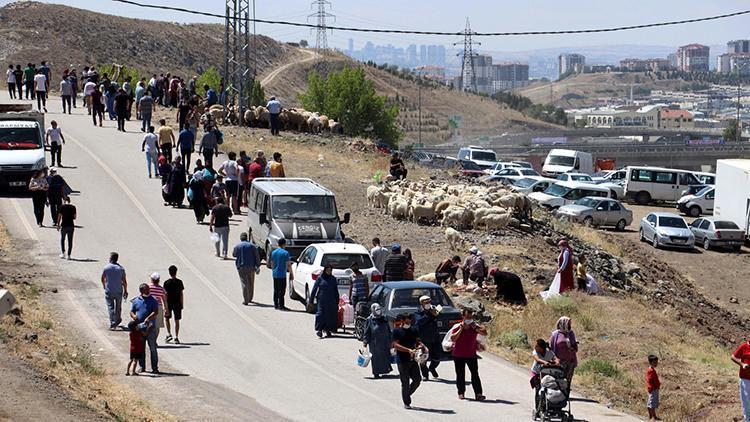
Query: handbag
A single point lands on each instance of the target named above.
(447, 342)
(363, 358)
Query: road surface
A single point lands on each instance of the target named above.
(237, 361)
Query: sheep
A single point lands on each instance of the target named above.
(454, 238)
(419, 212)
(459, 217)
(263, 116)
(496, 221)
(313, 123)
(372, 194)
(335, 127)
(324, 122)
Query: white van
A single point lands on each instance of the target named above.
(561, 161)
(647, 184)
(566, 193)
(700, 203)
(483, 157)
(21, 144)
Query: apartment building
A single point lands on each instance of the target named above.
(693, 58)
(570, 62)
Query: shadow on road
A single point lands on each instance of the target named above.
(494, 401)
(84, 260)
(259, 305)
(584, 400)
(182, 345)
(438, 411)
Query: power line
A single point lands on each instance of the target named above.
(468, 74)
(460, 33)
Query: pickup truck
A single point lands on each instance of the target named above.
(21, 144)
(713, 232)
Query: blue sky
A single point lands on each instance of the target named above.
(495, 15)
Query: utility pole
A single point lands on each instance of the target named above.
(468, 76)
(419, 102)
(236, 58)
(738, 123)
(321, 40)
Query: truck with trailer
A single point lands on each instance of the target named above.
(21, 145)
(732, 200)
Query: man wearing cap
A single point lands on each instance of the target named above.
(395, 264)
(274, 109)
(247, 261)
(473, 268)
(281, 264)
(426, 321)
(144, 312)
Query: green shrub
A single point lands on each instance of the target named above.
(210, 77)
(513, 339)
(563, 305)
(599, 367)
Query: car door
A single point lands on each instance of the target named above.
(695, 227)
(705, 229)
(684, 180)
(600, 213)
(301, 269)
(615, 213)
(649, 228)
(665, 186)
(708, 201)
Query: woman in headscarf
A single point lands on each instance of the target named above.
(177, 182)
(565, 346)
(409, 268)
(378, 337)
(197, 193)
(164, 171)
(325, 292)
(565, 266)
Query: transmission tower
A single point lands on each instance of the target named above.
(237, 67)
(321, 41)
(468, 76)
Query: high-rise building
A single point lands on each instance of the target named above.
(693, 58)
(570, 62)
(411, 55)
(509, 76)
(423, 54)
(483, 72)
(738, 46)
(733, 62)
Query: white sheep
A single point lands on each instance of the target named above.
(454, 238)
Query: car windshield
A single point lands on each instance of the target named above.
(342, 261)
(581, 177)
(409, 298)
(529, 172)
(559, 160)
(557, 190)
(704, 191)
(525, 182)
(304, 207)
(726, 225)
(483, 156)
(20, 138)
(587, 202)
(675, 222)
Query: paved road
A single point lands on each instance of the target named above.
(240, 360)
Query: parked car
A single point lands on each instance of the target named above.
(608, 176)
(508, 175)
(530, 184)
(483, 157)
(524, 164)
(575, 177)
(341, 256)
(693, 189)
(497, 167)
(616, 188)
(566, 193)
(468, 168)
(700, 203)
(712, 232)
(595, 211)
(648, 184)
(667, 230)
(398, 297)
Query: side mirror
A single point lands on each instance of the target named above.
(347, 218)
(652, 224)
(262, 218)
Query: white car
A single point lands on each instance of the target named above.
(508, 175)
(698, 204)
(311, 261)
(609, 176)
(667, 230)
(575, 177)
(528, 184)
(497, 167)
(566, 193)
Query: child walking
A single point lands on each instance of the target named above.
(652, 385)
(137, 348)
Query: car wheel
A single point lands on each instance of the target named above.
(293, 293)
(643, 198)
(588, 221)
(737, 249)
(706, 244)
(621, 225)
(268, 251)
(359, 328)
(640, 235)
(694, 211)
(310, 309)
(655, 242)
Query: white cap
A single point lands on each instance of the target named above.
(473, 250)
(155, 276)
(423, 298)
(53, 169)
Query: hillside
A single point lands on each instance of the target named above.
(479, 116)
(80, 37)
(584, 89)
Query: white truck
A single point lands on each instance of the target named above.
(561, 161)
(21, 145)
(732, 200)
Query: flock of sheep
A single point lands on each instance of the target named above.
(297, 119)
(457, 207)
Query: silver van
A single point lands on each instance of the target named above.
(298, 210)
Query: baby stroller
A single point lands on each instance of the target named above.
(552, 397)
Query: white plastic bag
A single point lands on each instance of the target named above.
(554, 289)
(215, 238)
(363, 358)
(591, 286)
(481, 343)
(421, 356)
(447, 342)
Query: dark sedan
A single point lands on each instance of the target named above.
(399, 297)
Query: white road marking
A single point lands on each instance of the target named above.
(278, 342)
(24, 220)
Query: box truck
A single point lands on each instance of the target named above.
(561, 161)
(732, 201)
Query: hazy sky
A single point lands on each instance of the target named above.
(485, 15)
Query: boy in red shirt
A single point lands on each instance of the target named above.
(741, 357)
(137, 348)
(652, 385)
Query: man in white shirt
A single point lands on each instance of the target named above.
(378, 255)
(40, 86)
(87, 90)
(11, 77)
(150, 146)
(274, 108)
(231, 173)
(54, 139)
(66, 92)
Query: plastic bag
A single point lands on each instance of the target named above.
(447, 342)
(554, 289)
(394, 357)
(421, 356)
(481, 343)
(363, 358)
(215, 237)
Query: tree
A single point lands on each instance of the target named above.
(349, 97)
(257, 95)
(303, 43)
(210, 77)
(730, 132)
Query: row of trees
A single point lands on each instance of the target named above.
(547, 113)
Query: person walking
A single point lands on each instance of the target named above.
(274, 109)
(406, 342)
(464, 340)
(177, 182)
(565, 266)
(395, 264)
(55, 193)
(96, 101)
(121, 101)
(145, 110)
(378, 255)
(38, 186)
(115, 285)
(28, 73)
(166, 140)
(144, 312)
(66, 226)
(231, 172)
(741, 357)
(197, 196)
(185, 145)
(280, 264)
(219, 225)
(174, 289)
(359, 286)
(409, 268)
(247, 261)
(211, 97)
(128, 91)
(18, 73)
(40, 87)
(151, 148)
(325, 293)
(426, 321)
(54, 139)
(182, 113)
(276, 168)
(66, 93)
(140, 91)
(73, 79)
(165, 170)
(378, 338)
(11, 78)
(564, 345)
(209, 148)
(158, 292)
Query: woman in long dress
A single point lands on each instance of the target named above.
(565, 346)
(565, 266)
(326, 294)
(378, 337)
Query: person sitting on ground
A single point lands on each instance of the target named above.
(398, 169)
(446, 271)
(509, 287)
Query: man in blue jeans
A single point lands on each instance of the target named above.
(144, 312)
(280, 263)
(115, 285)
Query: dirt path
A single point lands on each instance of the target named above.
(271, 76)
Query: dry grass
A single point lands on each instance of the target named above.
(62, 358)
